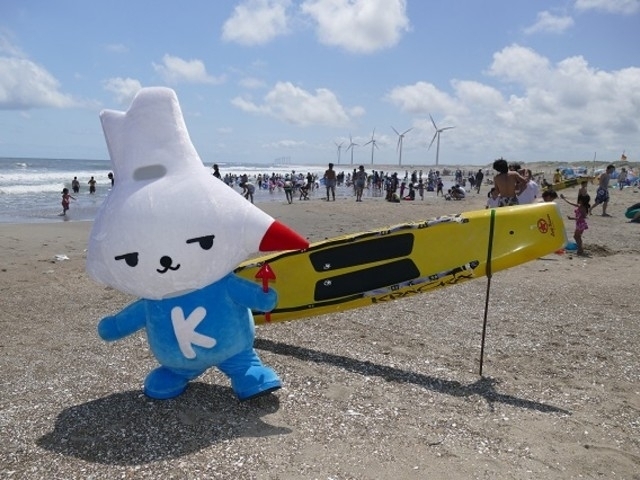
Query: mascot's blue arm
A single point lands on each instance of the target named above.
(129, 320)
(251, 295)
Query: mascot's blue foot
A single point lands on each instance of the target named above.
(163, 383)
(257, 381)
(249, 377)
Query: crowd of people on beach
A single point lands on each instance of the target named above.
(376, 182)
(510, 185)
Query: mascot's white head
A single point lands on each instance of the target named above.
(168, 226)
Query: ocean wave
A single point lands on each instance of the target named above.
(28, 189)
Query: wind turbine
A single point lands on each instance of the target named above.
(339, 145)
(400, 139)
(350, 147)
(437, 134)
(373, 144)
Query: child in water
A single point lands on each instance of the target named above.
(581, 212)
(65, 201)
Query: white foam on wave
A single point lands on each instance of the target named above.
(27, 189)
(28, 181)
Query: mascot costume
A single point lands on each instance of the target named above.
(171, 233)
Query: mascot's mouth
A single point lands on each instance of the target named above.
(167, 262)
(166, 269)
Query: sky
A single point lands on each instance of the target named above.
(301, 81)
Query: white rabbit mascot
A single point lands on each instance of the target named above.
(171, 233)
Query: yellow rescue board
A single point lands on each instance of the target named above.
(367, 268)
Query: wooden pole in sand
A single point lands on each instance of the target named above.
(486, 297)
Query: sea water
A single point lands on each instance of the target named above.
(31, 188)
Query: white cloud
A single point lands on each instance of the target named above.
(175, 70)
(480, 96)
(549, 23)
(297, 106)
(421, 98)
(358, 26)
(116, 48)
(123, 88)
(246, 105)
(540, 107)
(286, 144)
(357, 111)
(251, 83)
(257, 22)
(25, 85)
(570, 100)
(624, 7)
(519, 64)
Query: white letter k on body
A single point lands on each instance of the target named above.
(185, 331)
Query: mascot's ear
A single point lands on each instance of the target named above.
(150, 139)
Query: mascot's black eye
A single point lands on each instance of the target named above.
(130, 258)
(206, 242)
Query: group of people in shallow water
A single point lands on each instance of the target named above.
(292, 184)
(359, 179)
(389, 185)
(75, 186)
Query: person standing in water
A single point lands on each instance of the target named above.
(330, 182)
(360, 181)
(65, 201)
(288, 189)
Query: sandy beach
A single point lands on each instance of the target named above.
(384, 392)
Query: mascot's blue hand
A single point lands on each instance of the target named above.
(270, 300)
(108, 329)
(250, 294)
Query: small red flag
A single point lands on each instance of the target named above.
(266, 274)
